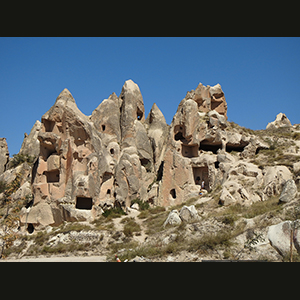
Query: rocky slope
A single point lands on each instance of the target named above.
(87, 171)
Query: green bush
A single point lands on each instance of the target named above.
(142, 204)
(21, 158)
(130, 227)
(115, 212)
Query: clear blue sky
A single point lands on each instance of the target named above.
(259, 76)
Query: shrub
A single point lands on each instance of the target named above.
(211, 241)
(115, 212)
(2, 186)
(21, 158)
(142, 204)
(130, 227)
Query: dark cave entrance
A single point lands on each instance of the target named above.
(146, 163)
(210, 147)
(139, 114)
(189, 150)
(84, 203)
(48, 124)
(30, 228)
(160, 171)
(230, 148)
(173, 193)
(52, 176)
(200, 174)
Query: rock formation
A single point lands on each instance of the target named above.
(280, 121)
(85, 165)
(4, 155)
(279, 236)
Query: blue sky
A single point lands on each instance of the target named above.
(259, 76)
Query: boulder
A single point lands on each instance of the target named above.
(226, 198)
(41, 214)
(189, 214)
(296, 167)
(280, 236)
(289, 191)
(274, 179)
(173, 218)
(169, 239)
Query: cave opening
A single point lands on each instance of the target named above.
(30, 228)
(230, 148)
(146, 163)
(139, 114)
(49, 125)
(201, 174)
(189, 150)
(179, 136)
(173, 193)
(210, 147)
(84, 203)
(52, 176)
(160, 171)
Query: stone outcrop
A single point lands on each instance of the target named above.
(86, 164)
(280, 121)
(31, 144)
(289, 191)
(173, 219)
(4, 155)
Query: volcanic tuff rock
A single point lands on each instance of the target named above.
(4, 155)
(87, 164)
(280, 121)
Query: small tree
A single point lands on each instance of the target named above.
(250, 242)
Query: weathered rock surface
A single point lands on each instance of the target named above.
(279, 236)
(31, 144)
(4, 154)
(280, 121)
(289, 191)
(173, 218)
(189, 214)
(86, 164)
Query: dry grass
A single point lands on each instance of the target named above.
(154, 223)
(130, 227)
(211, 241)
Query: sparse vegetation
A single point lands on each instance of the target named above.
(130, 227)
(211, 241)
(21, 158)
(115, 212)
(120, 232)
(143, 205)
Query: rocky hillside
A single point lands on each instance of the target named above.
(116, 182)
